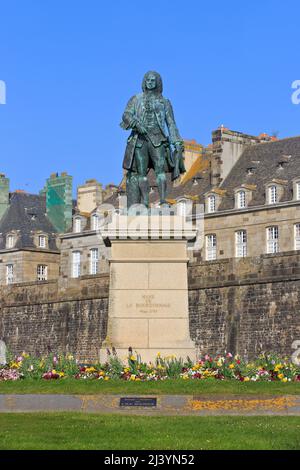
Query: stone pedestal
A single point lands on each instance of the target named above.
(148, 296)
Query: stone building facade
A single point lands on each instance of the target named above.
(29, 249)
(244, 283)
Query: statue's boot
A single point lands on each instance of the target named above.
(132, 189)
(162, 187)
(144, 188)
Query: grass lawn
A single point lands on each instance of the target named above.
(110, 432)
(175, 387)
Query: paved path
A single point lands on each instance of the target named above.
(167, 405)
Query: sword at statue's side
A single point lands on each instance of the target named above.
(178, 157)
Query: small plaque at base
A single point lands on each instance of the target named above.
(138, 401)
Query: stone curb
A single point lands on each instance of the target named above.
(167, 405)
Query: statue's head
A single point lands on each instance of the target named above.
(152, 82)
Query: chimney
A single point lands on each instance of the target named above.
(89, 195)
(228, 146)
(4, 194)
(58, 190)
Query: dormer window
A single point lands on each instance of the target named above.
(211, 204)
(77, 225)
(241, 199)
(10, 241)
(273, 194)
(32, 215)
(250, 170)
(42, 241)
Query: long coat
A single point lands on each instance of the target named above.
(135, 111)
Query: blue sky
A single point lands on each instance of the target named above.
(71, 66)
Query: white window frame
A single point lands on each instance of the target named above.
(10, 241)
(298, 190)
(95, 222)
(42, 272)
(273, 239)
(241, 243)
(77, 224)
(273, 194)
(9, 273)
(297, 236)
(182, 208)
(211, 203)
(94, 260)
(42, 241)
(241, 199)
(76, 264)
(210, 247)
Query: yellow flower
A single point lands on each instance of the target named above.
(284, 379)
(15, 365)
(61, 374)
(24, 354)
(278, 367)
(126, 369)
(185, 377)
(132, 358)
(158, 354)
(89, 370)
(231, 366)
(246, 379)
(132, 377)
(101, 373)
(54, 371)
(280, 376)
(106, 378)
(70, 357)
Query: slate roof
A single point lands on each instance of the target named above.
(27, 214)
(278, 160)
(265, 160)
(199, 172)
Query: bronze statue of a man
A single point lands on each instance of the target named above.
(151, 143)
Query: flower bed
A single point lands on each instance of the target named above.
(266, 368)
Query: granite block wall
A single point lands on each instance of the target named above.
(243, 306)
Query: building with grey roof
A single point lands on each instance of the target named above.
(29, 229)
